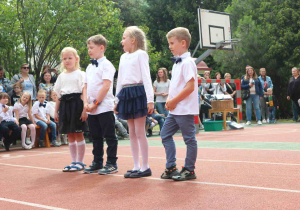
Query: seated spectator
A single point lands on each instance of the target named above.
(5, 84)
(122, 128)
(207, 88)
(46, 83)
(220, 88)
(153, 119)
(16, 93)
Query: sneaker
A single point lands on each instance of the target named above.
(140, 174)
(42, 143)
(27, 141)
(108, 169)
(248, 123)
(65, 139)
(264, 121)
(259, 122)
(201, 127)
(55, 143)
(170, 172)
(268, 121)
(185, 175)
(92, 168)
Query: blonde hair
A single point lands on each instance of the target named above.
(180, 34)
(139, 35)
(72, 50)
(29, 103)
(247, 76)
(50, 93)
(226, 74)
(165, 78)
(42, 91)
(297, 69)
(269, 89)
(98, 40)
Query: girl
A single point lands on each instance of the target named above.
(17, 92)
(161, 90)
(220, 88)
(135, 96)
(8, 122)
(22, 111)
(46, 83)
(69, 111)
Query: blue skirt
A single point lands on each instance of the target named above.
(132, 102)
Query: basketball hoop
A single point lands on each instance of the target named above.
(224, 43)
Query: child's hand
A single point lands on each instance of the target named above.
(164, 94)
(84, 116)
(17, 122)
(267, 102)
(48, 122)
(56, 119)
(91, 107)
(171, 104)
(150, 107)
(86, 105)
(115, 109)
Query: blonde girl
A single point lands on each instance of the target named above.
(135, 96)
(22, 111)
(69, 110)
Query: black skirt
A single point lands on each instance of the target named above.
(132, 102)
(25, 121)
(70, 110)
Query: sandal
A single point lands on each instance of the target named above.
(77, 168)
(67, 168)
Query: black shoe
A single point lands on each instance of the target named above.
(93, 168)
(127, 175)
(185, 175)
(170, 172)
(140, 174)
(108, 169)
(6, 144)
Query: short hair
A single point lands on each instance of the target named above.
(262, 69)
(24, 64)
(180, 34)
(4, 95)
(72, 50)
(42, 91)
(269, 89)
(18, 84)
(139, 35)
(295, 68)
(98, 40)
(226, 74)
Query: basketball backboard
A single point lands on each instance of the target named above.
(214, 27)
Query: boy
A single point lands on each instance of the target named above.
(271, 103)
(99, 102)
(18, 88)
(42, 118)
(183, 105)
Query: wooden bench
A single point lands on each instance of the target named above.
(225, 112)
(38, 131)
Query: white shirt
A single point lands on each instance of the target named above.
(219, 89)
(7, 116)
(183, 72)
(23, 110)
(68, 83)
(51, 108)
(161, 87)
(41, 111)
(134, 69)
(94, 80)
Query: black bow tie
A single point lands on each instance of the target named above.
(3, 106)
(176, 60)
(94, 62)
(44, 105)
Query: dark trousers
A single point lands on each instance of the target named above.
(103, 126)
(4, 130)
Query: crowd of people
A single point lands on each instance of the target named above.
(65, 102)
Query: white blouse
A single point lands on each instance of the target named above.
(68, 83)
(7, 116)
(134, 69)
(23, 110)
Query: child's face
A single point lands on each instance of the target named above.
(4, 101)
(69, 60)
(17, 89)
(160, 73)
(177, 47)
(270, 92)
(95, 51)
(47, 77)
(54, 96)
(127, 42)
(25, 98)
(41, 97)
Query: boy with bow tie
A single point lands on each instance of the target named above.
(42, 118)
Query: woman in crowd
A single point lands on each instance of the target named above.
(220, 88)
(294, 92)
(250, 82)
(26, 79)
(207, 88)
(266, 83)
(46, 83)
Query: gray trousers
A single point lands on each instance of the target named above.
(186, 124)
(121, 126)
(264, 109)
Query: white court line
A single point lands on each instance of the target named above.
(30, 204)
(196, 182)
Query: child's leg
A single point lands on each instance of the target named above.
(80, 146)
(32, 134)
(44, 127)
(134, 144)
(23, 135)
(5, 133)
(140, 133)
(169, 129)
(72, 147)
(52, 127)
(16, 131)
(187, 126)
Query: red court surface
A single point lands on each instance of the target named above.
(227, 178)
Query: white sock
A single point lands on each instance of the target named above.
(73, 151)
(134, 145)
(32, 134)
(80, 151)
(23, 135)
(142, 140)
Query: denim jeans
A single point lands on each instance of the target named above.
(264, 108)
(255, 99)
(272, 114)
(295, 111)
(44, 127)
(186, 124)
(160, 119)
(161, 108)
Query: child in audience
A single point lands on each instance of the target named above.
(42, 118)
(22, 111)
(8, 122)
(272, 104)
(17, 92)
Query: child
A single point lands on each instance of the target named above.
(17, 92)
(8, 122)
(22, 111)
(69, 112)
(42, 118)
(183, 105)
(99, 102)
(271, 103)
(135, 96)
